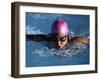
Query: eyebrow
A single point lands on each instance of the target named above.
(62, 38)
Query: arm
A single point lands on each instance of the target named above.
(37, 37)
(79, 39)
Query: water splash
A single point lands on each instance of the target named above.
(69, 52)
(32, 30)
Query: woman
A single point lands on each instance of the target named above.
(59, 36)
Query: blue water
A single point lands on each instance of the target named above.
(39, 53)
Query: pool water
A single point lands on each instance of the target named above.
(41, 54)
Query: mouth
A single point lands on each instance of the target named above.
(59, 47)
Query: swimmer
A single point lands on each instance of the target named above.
(59, 35)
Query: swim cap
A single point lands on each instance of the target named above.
(60, 26)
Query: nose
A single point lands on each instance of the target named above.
(59, 44)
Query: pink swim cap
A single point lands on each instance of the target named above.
(60, 26)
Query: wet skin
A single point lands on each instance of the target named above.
(59, 40)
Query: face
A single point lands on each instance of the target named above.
(60, 40)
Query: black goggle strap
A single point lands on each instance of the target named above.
(53, 37)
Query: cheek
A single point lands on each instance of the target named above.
(63, 44)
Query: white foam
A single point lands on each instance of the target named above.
(70, 51)
(32, 30)
(45, 51)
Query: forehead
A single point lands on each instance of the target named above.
(60, 34)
